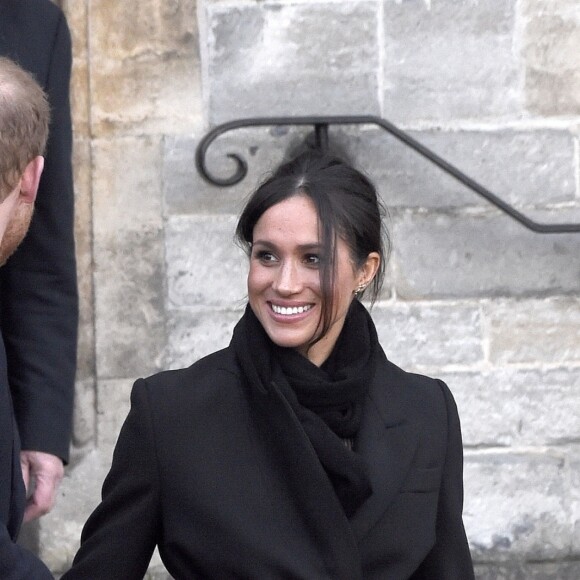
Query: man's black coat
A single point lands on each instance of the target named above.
(16, 563)
(38, 288)
(223, 478)
(38, 291)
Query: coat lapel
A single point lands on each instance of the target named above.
(312, 491)
(387, 441)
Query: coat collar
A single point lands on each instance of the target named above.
(386, 440)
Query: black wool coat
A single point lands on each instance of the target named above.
(38, 284)
(16, 563)
(222, 477)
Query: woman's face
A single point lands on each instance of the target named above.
(284, 280)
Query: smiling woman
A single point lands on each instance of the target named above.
(299, 451)
(284, 281)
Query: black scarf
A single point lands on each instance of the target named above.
(327, 400)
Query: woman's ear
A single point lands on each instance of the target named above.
(369, 269)
(30, 179)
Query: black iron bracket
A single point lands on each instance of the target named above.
(321, 124)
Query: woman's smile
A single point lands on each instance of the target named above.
(290, 311)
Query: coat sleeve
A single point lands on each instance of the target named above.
(39, 306)
(120, 536)
(17, 563)
(450, 558)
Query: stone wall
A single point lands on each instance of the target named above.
(471, 296)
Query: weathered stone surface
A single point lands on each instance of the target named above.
(447, 61)
(204, 266)
(504, 407)
(291, 59)
(76, 14)
(522, 167)
(533, 331)
(113, 404)
(126, 185)
(138, 101)
(519, 570)
(129, 265)
(84, 240)
(194, 334)
(148, 78)
(516, 504)
(84, 419)
(458, 256)
(130, 324)
(550, 48)
(574, 457)
(185, 191)
(423, 334)
(78, 495)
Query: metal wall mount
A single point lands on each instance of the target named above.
(321, 124)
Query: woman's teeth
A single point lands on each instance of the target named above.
(287, 311)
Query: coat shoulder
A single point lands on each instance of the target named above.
(215, 374)
(421, 394)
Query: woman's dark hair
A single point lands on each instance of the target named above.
(347, 205)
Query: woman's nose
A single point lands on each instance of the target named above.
(287, 279)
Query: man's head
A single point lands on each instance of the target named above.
(24, 119)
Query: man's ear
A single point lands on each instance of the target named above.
(30, 179)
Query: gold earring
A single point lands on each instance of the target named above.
(360, 288)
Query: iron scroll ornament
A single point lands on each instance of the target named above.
(321, 124)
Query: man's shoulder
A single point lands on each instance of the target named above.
(32, 12)
(28, 32)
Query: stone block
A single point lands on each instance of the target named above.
(113, 405)
(420, 335)
(204, 266)
(84, 420)
(78, 495)
(522, 168)
(276, 58)
(550, 49)
(504, 407)
(192, 335)
(533, 331)
(130, 317)
(450, 61)
(76, 15)
(521, 570)
(451, 256)
(80, 97)
(126, 185)
(185, 191)
(84, 240)
(574, 457)
(147, 77)
(128, 254)
(516, 506)
(158, 28)
(138, 97)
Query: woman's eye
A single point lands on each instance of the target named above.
(312, 259)
(265, 257)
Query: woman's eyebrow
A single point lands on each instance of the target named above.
(302, 247)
